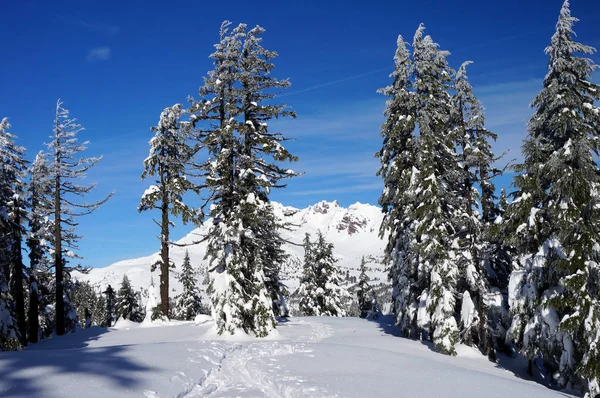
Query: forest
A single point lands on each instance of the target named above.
(511, 271)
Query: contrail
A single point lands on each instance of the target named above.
(390, 68)
(346, 79)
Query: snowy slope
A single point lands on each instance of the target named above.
(354, 231)
(310, 357)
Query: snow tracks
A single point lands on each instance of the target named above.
(258, 369)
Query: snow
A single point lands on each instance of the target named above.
(354, 232)
(311, 357)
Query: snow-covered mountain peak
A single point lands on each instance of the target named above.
(353, 231)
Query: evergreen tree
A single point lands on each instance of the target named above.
(110, 306)
(242, 170)
(100, 315)
(477, 159)
(189, 301)
(12, 174)
(556, 220)
(435, 188)
(170, 161)
(307, 290)
(127, 305)
(398, 157)
(65, 169)
(321, 292)
(38, 194)
(362, 293)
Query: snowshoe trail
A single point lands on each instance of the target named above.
(253, 370)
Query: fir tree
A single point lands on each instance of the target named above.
(110, 306)
(127, 305)
(240, 174)
(38, 194)
(189, 301)
(308, 284)
(65, 169)
(556, 220)
(12, 174)
(398, 156)
(321, 292)
(100, 315)
(435, 187)
(362, 293)
(170, 162)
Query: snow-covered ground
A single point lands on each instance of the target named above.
(308, 357)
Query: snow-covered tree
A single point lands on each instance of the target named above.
(39, 236)
(307, 290)
(321, 292)
(556, 220)
(110, 301)
(127, 305)
(12, 174)
(100, 316)
(398, 157)
(85, 302)
(435, 193)
(189, 302)
(170, 162)
(476, 265)
(65, 169)
(242, 169)
(363, 290)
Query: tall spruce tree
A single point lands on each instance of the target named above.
(189, 302)
(307, 290)
(363, 292)
(11, 169)
(474, 283)
(12, 175)
(170, 162)
(242, 170)
(556, 220)
(435, 187)
(65, 169)
(398, 157)
(40, 230)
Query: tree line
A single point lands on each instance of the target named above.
(519, 272)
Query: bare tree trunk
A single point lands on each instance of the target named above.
(164, 255)
(17, 261)
(58, 260)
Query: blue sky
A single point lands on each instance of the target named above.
(117, 64)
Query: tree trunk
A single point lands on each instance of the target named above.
(164, 255)
(17, 261)
(530, 367)
(58, 260)
(33, 308)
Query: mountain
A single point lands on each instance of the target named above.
(354, 231)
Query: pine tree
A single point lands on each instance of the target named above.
(308, 283)
(398, 156)
(40, 229)
(240, 174)
(477, 160)
(362, 293)
(556, 220)
(100, 315)
(170, 162)
(189, 301)
(321, 292)
(65, 169)
(110, 306)
(127, 305)
(12, 175)
(435, 187)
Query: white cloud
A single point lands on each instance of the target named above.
(99, 54)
